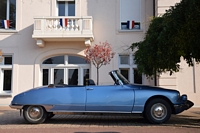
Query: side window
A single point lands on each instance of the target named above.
(130, 14)
(7, 14)
(6, 74)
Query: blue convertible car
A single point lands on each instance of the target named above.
(155, 104)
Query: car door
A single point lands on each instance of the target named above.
(70, 99)
(114, 98)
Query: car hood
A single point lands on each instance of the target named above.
(147, 87)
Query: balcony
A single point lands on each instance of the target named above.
(63, 29)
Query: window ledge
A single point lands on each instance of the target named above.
(8, 31)
(3, 94)
(133, 30)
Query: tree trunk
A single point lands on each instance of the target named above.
(155, 78)
(97, 76)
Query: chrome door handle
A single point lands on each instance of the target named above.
(89, 88)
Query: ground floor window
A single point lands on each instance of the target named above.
(6, 74)
(128, 69)
(65, 69)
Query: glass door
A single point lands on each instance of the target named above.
(58, 76)
(72, 76)
(67, 69)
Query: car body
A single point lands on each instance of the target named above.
(154, 103)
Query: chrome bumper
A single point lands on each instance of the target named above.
(16, 106)
(47, 107)
(184, 106)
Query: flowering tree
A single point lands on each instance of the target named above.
(99, 54)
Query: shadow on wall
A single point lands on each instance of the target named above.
(22, 42)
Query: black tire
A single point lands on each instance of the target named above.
(34, 114)
(157, 111)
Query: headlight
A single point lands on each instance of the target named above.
(184, 97)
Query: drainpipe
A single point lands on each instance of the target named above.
(155, 77)
(154, 6)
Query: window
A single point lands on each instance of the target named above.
(137, 77)
(45, 77)
(124, 72)
(6, 74)
(66, 7)
(76, 60)
(130, 14)
(128, 69)
(65, 69)
(86, 73)
(124, 59)
(54, 60)
(7, 14)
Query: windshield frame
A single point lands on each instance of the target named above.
(118, 78)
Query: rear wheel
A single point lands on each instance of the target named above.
(157, 111)
(34, 114)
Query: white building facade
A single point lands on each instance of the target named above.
(43, 42)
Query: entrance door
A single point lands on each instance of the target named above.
(71, 70)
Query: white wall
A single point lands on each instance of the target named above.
(27, 56)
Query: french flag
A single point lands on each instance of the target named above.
(130, 24)
(6, 24)
(63, 22)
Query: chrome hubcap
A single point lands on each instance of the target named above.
(158, 111)
(35, 113)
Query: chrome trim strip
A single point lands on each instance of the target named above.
(73, 111)
(136, 112)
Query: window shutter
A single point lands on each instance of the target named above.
(130, 10)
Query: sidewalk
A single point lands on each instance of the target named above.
(192, 112)
(188, 121)
(5, 108)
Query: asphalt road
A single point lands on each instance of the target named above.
(186, 122)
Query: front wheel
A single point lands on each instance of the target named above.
(34, 114)
(157, 111)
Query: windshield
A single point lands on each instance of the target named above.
(122, 78)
